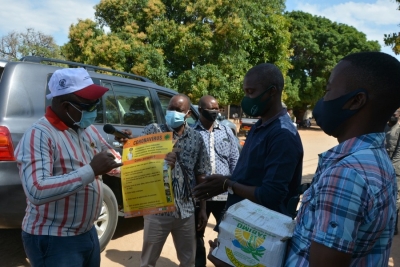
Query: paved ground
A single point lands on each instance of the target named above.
(124, 249)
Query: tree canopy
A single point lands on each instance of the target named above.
(393, 39)
(196, 47)
(14, 45)
(318, 44)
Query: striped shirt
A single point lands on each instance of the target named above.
(222, 149)
(350, 206)
(193, 158)
(63, 196)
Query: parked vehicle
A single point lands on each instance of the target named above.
(132, 102)
(246, 123)
(304, 123)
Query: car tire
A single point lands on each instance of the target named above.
(108, 218)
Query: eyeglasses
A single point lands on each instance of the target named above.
(87, 107)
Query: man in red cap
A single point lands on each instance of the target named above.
(60, 159)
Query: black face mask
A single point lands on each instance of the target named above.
(210, 115)
(329, 115)
(393, 119)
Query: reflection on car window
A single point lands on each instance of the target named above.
(134, 105)
(111, 114)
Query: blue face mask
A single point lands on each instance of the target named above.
(329, 115)
(87, 118)
(174, 118)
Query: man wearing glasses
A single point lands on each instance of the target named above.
(61, 158)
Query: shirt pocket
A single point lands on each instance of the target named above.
(307, 209)
(223, 148)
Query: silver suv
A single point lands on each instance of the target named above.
(132, 102)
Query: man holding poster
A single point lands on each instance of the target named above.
(190, 163)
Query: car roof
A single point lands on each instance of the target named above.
(3, 62)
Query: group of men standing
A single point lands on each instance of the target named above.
(347, 216)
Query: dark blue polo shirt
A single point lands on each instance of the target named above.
(271, 160)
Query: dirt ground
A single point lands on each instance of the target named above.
(125, 247)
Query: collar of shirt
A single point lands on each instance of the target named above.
(55, 120)
(185, 133)
(259, 123)
(350, 146)
(198, 125)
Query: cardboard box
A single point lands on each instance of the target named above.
(252, 235)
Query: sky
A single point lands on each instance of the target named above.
(54, 17)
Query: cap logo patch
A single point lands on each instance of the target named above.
(62, 83)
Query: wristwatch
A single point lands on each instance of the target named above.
(230, 188)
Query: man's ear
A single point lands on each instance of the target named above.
(273, 91)
(357, 102)
(60, 105)
(189, 113)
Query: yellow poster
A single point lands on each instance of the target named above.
(146, 179)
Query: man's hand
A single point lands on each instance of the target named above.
(210, 257)
(210, 187)
(170, 158)
(124, 140)
(321, 255)
(103, 162)
(202, 219)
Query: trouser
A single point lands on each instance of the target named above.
(156, 231)
(216, 208)
(63, 251)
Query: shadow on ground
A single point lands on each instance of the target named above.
(127, 226)
(132, 258)
(12, 252)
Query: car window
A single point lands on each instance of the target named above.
(134, 105)
(107, 111)
(1, 72)
(164, 99)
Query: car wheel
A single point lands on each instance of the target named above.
(108, 218)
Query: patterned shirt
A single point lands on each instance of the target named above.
(193, 158)
(63, 196)
(222, 148)
(350, 205)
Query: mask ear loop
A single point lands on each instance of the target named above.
(75, 123)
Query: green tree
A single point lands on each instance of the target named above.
(197, 47)
(393, 39)
(318, 44)
(15, 45)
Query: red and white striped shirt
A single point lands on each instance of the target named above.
(63, 196)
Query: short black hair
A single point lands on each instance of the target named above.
(204, 99)
(379, 74)
(267, 74)
(184, 96)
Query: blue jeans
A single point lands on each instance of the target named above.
(62, 251)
